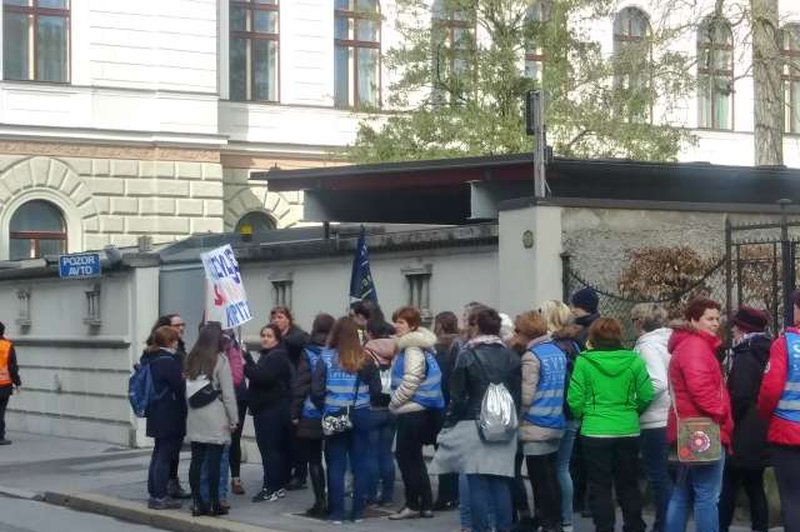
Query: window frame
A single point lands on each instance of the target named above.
(445, 25)
(250, 7)
(713, 74)
(356, 44)
(790, 75)
(35, 12)
(35, 237)
(625, 19)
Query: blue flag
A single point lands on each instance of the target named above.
(362, 286)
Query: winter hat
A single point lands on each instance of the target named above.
(750, 320)
(585, 298)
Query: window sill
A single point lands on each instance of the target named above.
(37, 82)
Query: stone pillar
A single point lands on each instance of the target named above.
(529, 255)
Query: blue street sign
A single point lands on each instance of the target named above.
(80, 266)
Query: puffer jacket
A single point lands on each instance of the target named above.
(413, 344)
(652, 346)
(696, 379)
(528, 432)
(781, 431)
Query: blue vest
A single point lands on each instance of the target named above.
(429, 393)
(789, 403)
(313, 354)
(340, 386)
(547, 409)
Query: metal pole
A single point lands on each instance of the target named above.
(535, 126)
(728, 273)
(788, 265)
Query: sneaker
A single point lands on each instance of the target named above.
(265, 496)
(163, 504)
(4, 441)
(175, 491)
(281, 493)
(427, 514)
(359, 520)
(405, 513)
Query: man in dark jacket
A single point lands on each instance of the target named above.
(745, 467)
(9, 379)
(583, 304)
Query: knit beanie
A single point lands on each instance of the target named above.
(585, 298)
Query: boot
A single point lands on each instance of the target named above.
(317, 475)
(200, 508)
(218, 509)
(175, 490)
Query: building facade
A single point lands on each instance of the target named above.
(122, 119)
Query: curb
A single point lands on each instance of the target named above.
(17, 493)
(136, 512)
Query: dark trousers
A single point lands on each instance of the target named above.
(5, 394)
(786, 461)
(235, 456)
(298, 466)
(612, 462)
(448, 488)
(310, 450)
(753, 482)
(173, 466)
(212, 455)
(655, 452)
(272, 426)
(165, 452)
(411, 429)
(519, 495)
(543, 474)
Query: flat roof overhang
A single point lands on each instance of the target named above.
(464, 190)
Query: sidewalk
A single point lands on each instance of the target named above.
(102, 478)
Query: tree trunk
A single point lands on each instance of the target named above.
(767, 83)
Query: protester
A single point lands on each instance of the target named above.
(649, 321)
(233, 352)
(343, 382)
(445, 327)
(417, 403)
(488, 465)
(608, 391)
(166, 414)
(584, 304)
(209, 425)
(9, 379)
(564, 334)
(294, 339)
(779, 403)
(269, 396)
(745, 466)
(364, 311)
(306, 416)
(544, 368)
(381, 470)
(698, 390)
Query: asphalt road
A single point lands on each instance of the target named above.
(19, 515)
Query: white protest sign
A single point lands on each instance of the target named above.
(226, 300)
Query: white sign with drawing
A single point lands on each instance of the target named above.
(226, 300)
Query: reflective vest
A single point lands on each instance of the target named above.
(313, 354)
(429, 393)
(340, 386)
(547, 409)
(789, 403)
(5, 371)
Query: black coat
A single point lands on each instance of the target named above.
(447, 348)
(744, 382)
(166, 417)
(270, 379)
(584, 322)
(293, 342)
(469, 380)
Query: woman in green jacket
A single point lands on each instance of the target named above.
(610, 388)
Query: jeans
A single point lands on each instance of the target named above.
(380, 464)
(203, 453)
(165, 453)
(223, 476)
(546, 491)
(410, 434)
(655, 453)
(5, 395)
(235, 456)
(352, 445)
(272, 426)
(753, 482)
(786, 461)
(699, 485)
(490, 501)
(563, 458)
(613, 462)
(464, 508)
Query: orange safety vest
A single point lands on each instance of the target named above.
(5, 373)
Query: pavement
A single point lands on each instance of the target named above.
(109, 480)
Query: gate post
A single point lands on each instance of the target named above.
(787, 259)
(728, 274)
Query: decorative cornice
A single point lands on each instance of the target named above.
(106, 151)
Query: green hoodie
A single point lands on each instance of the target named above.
(609, 390)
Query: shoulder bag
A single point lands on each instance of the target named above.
(342, 422)
(698, 440)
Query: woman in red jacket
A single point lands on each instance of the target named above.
(698, 390)
(779, 403)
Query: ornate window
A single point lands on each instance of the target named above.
(715, 74)
(357, 62)
(36, 40)
(37, 228)
(254, 60)
(632, 53)
(791, 77)
(534, 53)
(256, 223)
(418, 283)
(455, 35)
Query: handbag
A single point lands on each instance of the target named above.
(698, 440)
(203, 396)
(342, 422)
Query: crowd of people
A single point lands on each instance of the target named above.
(553, 396)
